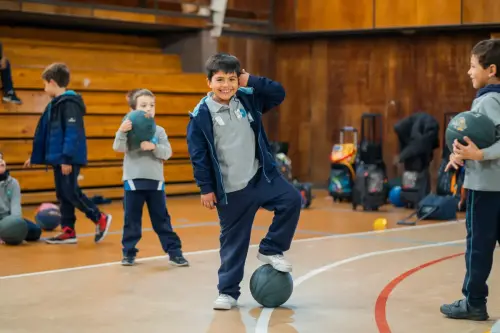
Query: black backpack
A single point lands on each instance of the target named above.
(370, 190)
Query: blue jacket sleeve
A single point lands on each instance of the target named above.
(72, 121)
(200, 157)
(269, 93)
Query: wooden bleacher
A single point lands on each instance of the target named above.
(103, 69)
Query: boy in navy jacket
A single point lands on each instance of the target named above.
(236, 172)
(60, 141)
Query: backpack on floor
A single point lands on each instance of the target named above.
(370, 184)
(369, 187)
(434, 207)
(415, 185)
(342, 169)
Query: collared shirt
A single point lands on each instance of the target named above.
(235, 143)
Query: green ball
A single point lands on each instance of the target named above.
(477, 126)
(13, 230)
(143, 128)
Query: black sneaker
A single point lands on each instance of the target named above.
(179, 261)
(128, 261)
(11, 98)
(461, 310)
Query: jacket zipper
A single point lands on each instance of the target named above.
(218, 166)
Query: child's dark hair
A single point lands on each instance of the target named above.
(488, 53)
(58, 72)
(130, 96)
(222, 62)
(138, 93)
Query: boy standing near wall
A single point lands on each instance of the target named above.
(482, 181)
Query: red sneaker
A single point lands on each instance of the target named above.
(102, 227)
(67, 236)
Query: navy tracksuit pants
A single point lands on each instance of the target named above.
(483, 233)
(70, 196)
(236, 220)
(6, 78)
(160, 219)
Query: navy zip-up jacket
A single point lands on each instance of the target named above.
(60, 134)
(260, 96)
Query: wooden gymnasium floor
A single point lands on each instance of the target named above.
(348, 278)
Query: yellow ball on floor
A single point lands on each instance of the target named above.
(380, 224)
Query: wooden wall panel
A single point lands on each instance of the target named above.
(330, 83)
(284, 15)
(481, 11)
(334, 15)
(412, 13)
(305, 15)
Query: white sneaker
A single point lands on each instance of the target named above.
(278, 262)
(224, 302)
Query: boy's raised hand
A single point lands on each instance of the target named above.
(243, 79)
(208, 200)
(125, 126)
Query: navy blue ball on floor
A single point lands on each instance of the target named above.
(269, 287)
(48, 216)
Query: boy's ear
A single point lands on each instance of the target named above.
(493, 70)
(209, 83)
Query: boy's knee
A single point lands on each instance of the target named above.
(294, 199)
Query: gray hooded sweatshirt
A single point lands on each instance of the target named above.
(10, 197)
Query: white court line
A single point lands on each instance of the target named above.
(70, 269)
(265, 315)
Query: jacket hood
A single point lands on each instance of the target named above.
(70, 96)
(489, 88)
(5, 176)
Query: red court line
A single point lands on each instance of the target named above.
(381, 304)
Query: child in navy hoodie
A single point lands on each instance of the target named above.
(60, 141)
(236, 172)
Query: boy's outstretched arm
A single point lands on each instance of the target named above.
(200, 159)
(270, 93)
(73, 122)
(163, 149)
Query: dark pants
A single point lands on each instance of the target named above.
(6, 78)
(70, 196)
(34, 231)
(483, 233)
(236, 220)
(160, 219)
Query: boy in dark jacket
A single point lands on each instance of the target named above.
(60, 141)
(235, 170)
(9, 94)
